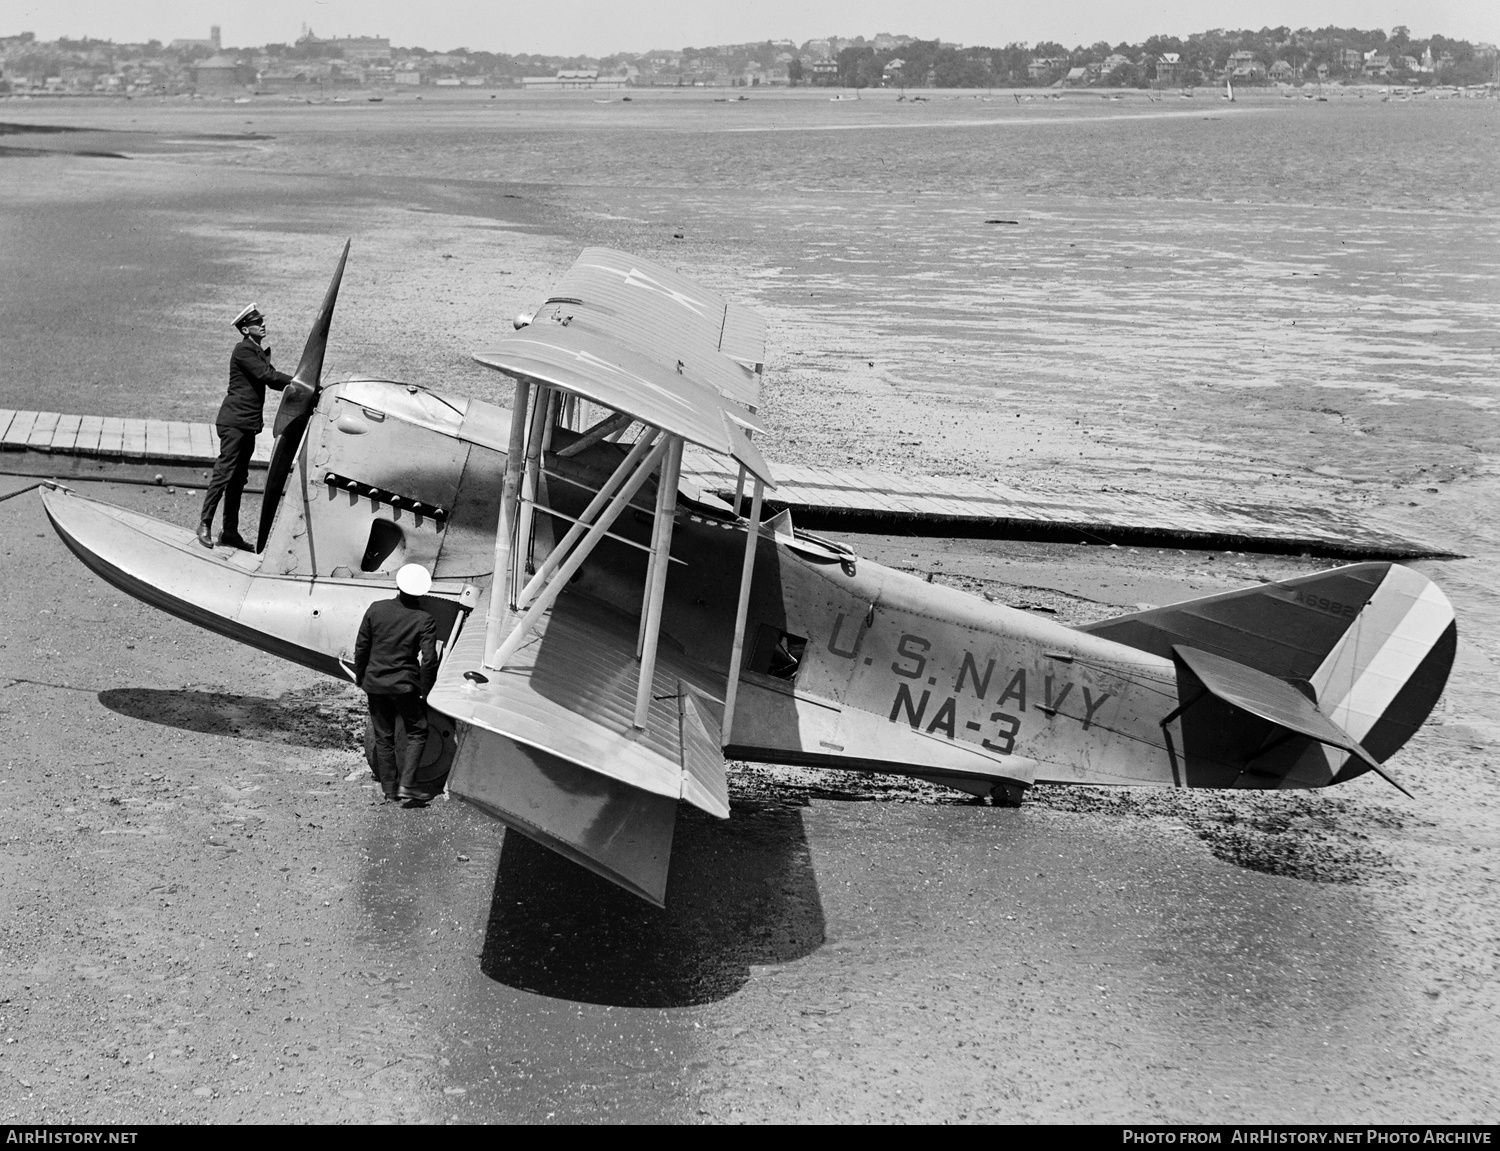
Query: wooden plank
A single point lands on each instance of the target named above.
(928, 507)
(263, 445)
(40, 438)
(814, 477)
(179, 440)
(133, 439)
(156, 439)
(854, 481)
(959, 508)
(795, 496)
(6, 415)
(112, 436)
(20, 428)
(86, 443)
(873, 500)
(795, 474)
(66, 433)
(204, 446)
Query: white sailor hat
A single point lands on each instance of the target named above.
(251, 315)
(413, 579)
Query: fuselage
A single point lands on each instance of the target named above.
(848, 663)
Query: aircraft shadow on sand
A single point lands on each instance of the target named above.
(298, 718)
(741, 893)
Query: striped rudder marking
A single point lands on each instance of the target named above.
(1382, 678)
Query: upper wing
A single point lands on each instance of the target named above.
(663, 314)
(640, 339)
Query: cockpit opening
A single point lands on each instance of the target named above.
(778, 653)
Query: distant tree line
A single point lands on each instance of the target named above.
(887, 61)
(1202, 57)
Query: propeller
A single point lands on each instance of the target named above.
(298, 399)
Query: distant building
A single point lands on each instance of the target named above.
(1043, 69)
(1282, 72)
(1352, 60)
(1169, 68)
(293, 76)
(572, 78)
(217, 74)
(1076, 77)
(355, 49)
(1377, 64)
(211, 44)
(365, 49)
(1244, 66)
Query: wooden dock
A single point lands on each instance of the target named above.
(57, 446)
(838, 499)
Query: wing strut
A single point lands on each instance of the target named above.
(628, 478)
(531, 476)
(656, 575)
(605, 427)
(742, 608)
(582, 524)
(502, 598)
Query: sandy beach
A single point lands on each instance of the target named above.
(213, 919)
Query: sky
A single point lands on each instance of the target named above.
(601, 27)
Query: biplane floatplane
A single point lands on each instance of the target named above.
(620, 633)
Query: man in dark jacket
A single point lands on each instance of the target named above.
(395, 663)
(239, 421)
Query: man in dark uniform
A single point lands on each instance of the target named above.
(239, 421)
(395, 663)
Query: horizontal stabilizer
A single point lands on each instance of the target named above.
(1273, 700)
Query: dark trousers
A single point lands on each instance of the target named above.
(384, 710)
(231, 470)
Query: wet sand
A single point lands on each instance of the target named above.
(212, 918)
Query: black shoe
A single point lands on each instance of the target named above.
(206, 535)
(234, 540)
(414, 798)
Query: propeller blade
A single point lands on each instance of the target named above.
(299, 396)
(283, 456)
(310, 369)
